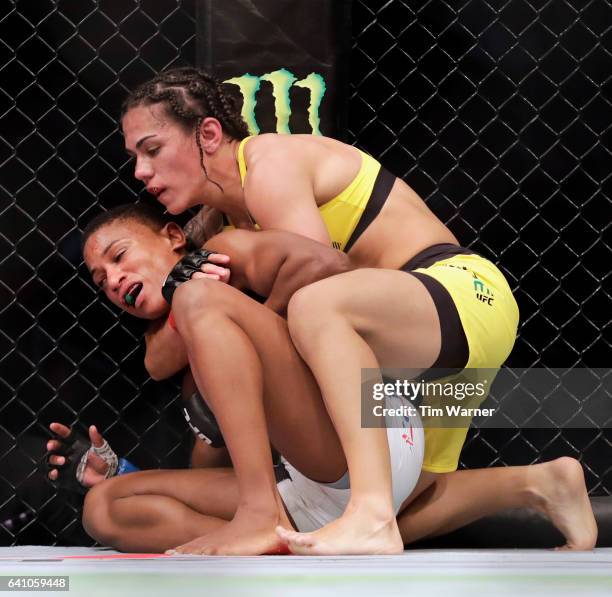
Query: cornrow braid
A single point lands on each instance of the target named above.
(189, 96)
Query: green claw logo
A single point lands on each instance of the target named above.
(483, 293)
(281, 80)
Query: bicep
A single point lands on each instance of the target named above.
(254, 257)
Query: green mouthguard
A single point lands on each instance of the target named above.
(130, 300)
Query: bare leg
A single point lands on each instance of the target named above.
(247, 368)
(445, 502)
(205, 456)
(339, 328)
(324, 319)
(153, 511)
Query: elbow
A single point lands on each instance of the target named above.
(323, 266)
(336, 262)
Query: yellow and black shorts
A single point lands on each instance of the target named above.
(478, 323)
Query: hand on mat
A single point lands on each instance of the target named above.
(217, 268)
(96, 467)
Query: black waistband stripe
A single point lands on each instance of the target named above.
(430, 255)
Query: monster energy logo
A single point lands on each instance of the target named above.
(281, 80)
(483, 293)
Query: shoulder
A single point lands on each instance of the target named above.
(279, 169)
(231, 241)
(283, 154)
(260, 149)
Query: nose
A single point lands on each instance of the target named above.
(143, 170)
(114, 278)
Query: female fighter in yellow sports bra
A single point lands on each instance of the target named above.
(350, 212)
(417, 300)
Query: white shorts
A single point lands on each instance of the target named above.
(313, 505)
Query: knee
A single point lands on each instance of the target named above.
(311, 310)
(97, 520)
(198, 297)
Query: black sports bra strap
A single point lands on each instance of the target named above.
(382, 187)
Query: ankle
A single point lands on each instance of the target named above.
(261, 511)
(374, 507)
(533, 489)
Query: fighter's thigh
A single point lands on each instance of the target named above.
(284, 371)
(391, 310)
(294, 409)
(213, 492)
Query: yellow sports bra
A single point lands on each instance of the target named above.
(343, 214)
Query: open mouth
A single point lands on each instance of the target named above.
(132, 294)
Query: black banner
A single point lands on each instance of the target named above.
(287, 59)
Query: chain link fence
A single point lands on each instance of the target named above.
(66, 355)
(495, 112)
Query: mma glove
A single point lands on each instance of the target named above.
(183, 270)
(76, 449)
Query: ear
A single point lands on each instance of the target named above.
(211, 134)
(174, 233)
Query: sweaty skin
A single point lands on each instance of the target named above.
(271, 263)
(135, 254)
(239, 333)
(336, 324)
(288, 178)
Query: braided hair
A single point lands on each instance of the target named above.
(190, 95)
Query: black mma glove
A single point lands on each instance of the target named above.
(183, 270)
(75, 449)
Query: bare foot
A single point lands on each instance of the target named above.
(248, 534)
(559, 491)
(358, 531)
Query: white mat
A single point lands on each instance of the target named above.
(425, 572)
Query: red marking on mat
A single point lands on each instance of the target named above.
(119, 556)
(59, 558)
(283, 550)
